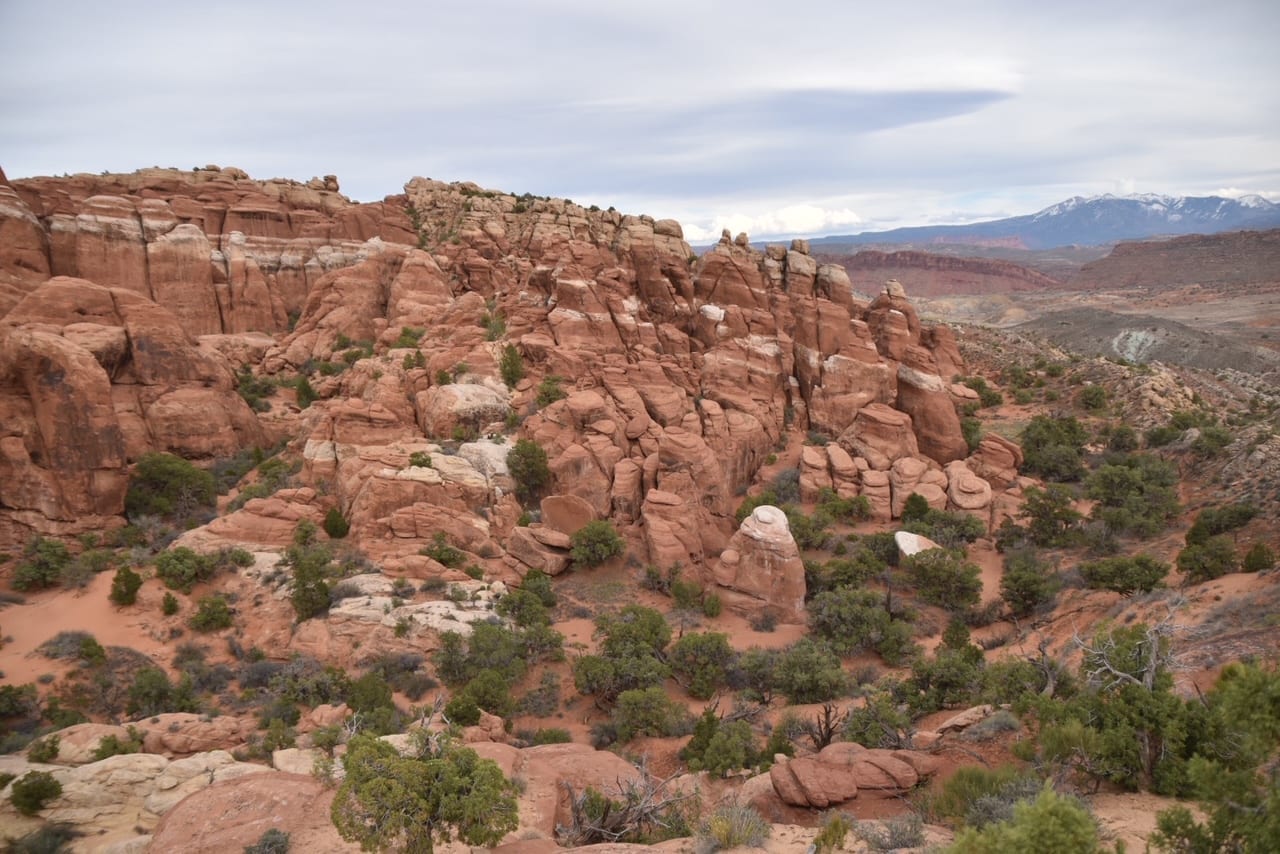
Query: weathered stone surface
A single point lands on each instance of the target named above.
(566, 513)
(761, 568)
(966, 491)
(880, 435)
(996, 460)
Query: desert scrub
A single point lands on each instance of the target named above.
(732, 826)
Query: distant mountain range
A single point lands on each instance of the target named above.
(1093, 221)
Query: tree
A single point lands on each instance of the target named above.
(125, 586)
(511, 366)
(646, 711)
(168, 486)
(809, 672)
(595, 542)
(1125, 575)
(942, 577)
(630, 654)
(1052, 520)
(1136, 493)
(1028, 582)
(305, 393)
(311, 563)
(1053, 448)
(335, 524)
(1239, 796)
(1213, 558)
(527, 462)
(412, 801)
(848, 619)
(703, 660)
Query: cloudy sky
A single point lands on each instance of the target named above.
(775, 118)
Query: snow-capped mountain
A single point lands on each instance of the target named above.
(1094, 220)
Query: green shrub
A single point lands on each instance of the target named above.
(947, 529)
(124, 586)
(212, 614)
(41, 564)
(549, 390)
(52, 838)
(181, 568)
(891, 834)
(1219, 520)
(1124, 575)
(1213, 558)
(443, 553)
(112, 745)
(527, 462)
(595, 542)
(511, 366)
(304, 392)
(1053, 448)
(1092, 397)
(733, 826)
(169, 605)
(1028, 582)
(33, 790)
(1052, 824)
(1136, 494)
(809, 672)
(702, 661)
(420, 459)
(942, 577)
(1052, 520)
(335, 524)
(44, 750)
(272, 841)
(956, 797)
(647, 711)
(168, 486)
(1259, 558)
(409, 337)
(835, 827)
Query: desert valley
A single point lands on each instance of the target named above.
(477, 520)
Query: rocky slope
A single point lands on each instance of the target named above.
(1229, 262)
(934, 275)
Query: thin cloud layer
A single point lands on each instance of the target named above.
(824, 117)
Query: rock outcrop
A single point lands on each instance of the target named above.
(760, 570)
(843, 771)
(678, 376)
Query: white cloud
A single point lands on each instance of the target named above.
(846, 117)
(792, 220)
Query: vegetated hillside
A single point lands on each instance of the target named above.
(1225, 262)
(938, 275)
(1092, 221)
(528, 477)
(1143, 338)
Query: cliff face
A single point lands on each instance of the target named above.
(940, 275)
(223, 252)
(680, 374)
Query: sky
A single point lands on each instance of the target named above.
(779, 119)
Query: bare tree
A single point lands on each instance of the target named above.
(642, 808)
